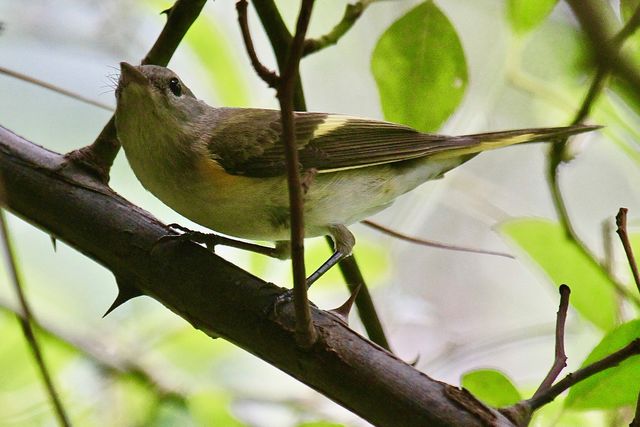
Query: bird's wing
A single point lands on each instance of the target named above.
(248, 141)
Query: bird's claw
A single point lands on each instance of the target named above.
(209, 240)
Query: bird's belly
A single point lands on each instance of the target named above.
(258, 208)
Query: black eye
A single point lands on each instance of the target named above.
(175, 86)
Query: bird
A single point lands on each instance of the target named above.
(224, 168)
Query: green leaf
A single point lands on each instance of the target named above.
(492, 387)
(545, 242)
(420, 69)
(615, 387)
(525, 15)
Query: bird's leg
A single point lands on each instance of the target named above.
(343, 242)
(211, 240)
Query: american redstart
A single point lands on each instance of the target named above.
(224, 168)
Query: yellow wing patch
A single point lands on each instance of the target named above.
(330, 124)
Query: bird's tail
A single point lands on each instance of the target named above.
(476, 143)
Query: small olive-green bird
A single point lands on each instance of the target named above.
(224, 168)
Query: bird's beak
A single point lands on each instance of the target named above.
(131, 74)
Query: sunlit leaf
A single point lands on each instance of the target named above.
(420, 69)
(615, 387)
(491, 386)
(525, 15)
(546, 244)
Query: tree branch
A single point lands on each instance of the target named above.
(222, 300)
(621, 222)
(631, 349)
(429, 243)
(98, 157)
(270, 77)
(280, 39)
(560, 360)
(351, 14)
(306, 332)
(284, 85)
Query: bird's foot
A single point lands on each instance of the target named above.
(210, 240)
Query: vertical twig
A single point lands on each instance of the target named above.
(305, 331)
(25, 322)
(621, 222)
(560, 360)
(280, 40)
(285, 86)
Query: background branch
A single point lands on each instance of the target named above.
(560, 360)
(429, 243)
(351, 14)
(602, 39)
(621, 222)
(631, 349)
(25, 317)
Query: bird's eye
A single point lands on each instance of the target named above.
(175, 86)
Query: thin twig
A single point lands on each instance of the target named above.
(351, 14)
(284, 84)
(429, 243)
(280, 39)
(631, 349)
(621, 222)
(560, 360)
(54, 88)
(306, 333)
(25, 319)
(269, 76)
